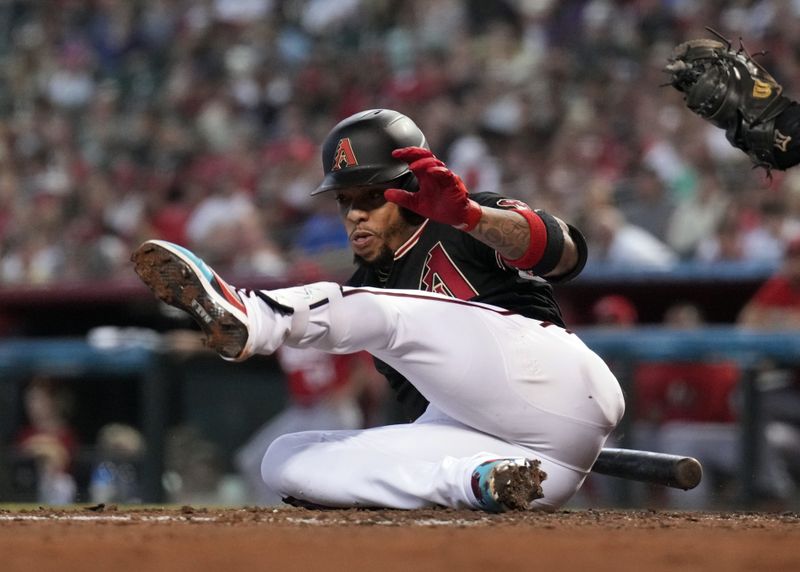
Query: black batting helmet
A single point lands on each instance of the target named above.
(358, 150)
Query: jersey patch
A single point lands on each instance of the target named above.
(441, 275)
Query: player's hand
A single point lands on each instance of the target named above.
(442, 195)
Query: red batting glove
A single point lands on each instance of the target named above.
(442, 195)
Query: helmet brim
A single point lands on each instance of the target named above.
(366, 176)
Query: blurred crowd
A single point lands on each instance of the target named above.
(199, 122)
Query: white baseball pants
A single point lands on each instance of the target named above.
(500, 385)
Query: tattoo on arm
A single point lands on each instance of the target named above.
(508, 233)
(505, 231)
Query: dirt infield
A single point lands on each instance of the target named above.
(296, 539)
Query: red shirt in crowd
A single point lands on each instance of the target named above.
(778, 292)
(314, 375)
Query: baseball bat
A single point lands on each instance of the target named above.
(646, 466)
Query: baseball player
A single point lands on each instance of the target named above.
(452, 297)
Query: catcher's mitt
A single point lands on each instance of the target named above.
(729, 89)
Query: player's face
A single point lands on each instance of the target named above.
(374, 226)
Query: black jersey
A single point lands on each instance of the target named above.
(439, 258)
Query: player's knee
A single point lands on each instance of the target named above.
(279, 469)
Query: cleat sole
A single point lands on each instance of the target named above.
(177, 283)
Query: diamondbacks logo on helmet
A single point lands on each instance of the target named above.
(344, 155)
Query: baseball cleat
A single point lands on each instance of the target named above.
(507, 484)
(181, 279)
